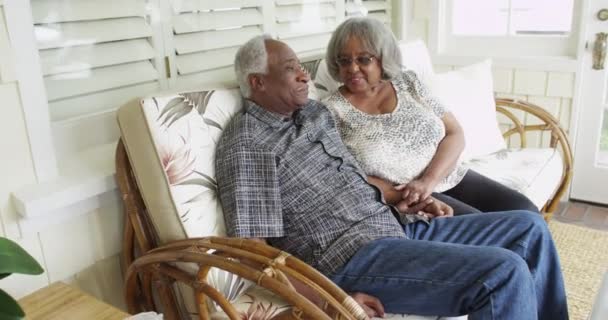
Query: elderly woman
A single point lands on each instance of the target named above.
(405, 140)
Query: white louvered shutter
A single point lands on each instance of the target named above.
(95, 55)
(203, 37)
(379, 9)
(306, 25)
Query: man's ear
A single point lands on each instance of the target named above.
(256, 82)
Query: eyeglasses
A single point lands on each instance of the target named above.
(361, 61)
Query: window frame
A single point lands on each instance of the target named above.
(20, 29)
(443, 43)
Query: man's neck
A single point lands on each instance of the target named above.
(273, 107)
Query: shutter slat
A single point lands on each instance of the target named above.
(382, 16)
(99, 102)
(193, 42)
(52, 11)
(291, 30)
(79, 83)
(309, 43)
(193, 22)
(197, 5)
(222, 77)
(80, 33)
(375, 5)
(206, 60)
(292, 2)
(304, 13)
(72, 59)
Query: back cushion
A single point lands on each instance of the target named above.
(171, 141)
(178, 137)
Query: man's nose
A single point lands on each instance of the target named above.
(303, 75)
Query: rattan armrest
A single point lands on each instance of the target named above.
(267, 266)
(559, 140)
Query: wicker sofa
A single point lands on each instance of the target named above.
(180, 261)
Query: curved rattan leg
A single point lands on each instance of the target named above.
(279, 262)
(165, 256)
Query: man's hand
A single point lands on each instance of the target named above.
(372, 306)
(431, 207)
(438, 209)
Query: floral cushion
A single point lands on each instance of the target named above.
(534, 172)
(171, 140)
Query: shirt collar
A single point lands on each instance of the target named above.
(276, 120)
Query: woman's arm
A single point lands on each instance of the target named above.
(443, 162)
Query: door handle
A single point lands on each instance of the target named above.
(599, 50)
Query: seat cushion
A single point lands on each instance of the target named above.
(534, 172)
(260, 304)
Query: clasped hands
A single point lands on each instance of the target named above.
(416, 199)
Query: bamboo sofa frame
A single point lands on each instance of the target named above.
(151, 266)
(151, 270)
(559, 139)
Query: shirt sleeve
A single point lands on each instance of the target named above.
(249, 191)
(423, 93)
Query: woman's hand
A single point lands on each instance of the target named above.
(416, 190)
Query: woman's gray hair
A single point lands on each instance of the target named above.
(376, 38)
(251, 57)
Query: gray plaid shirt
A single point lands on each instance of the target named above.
(292, 182)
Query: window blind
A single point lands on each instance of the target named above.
(95, 55)
(205, 35)
(307, 25)
(378, 9)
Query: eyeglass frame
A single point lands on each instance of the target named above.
(345, 62)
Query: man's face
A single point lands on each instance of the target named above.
(285, 85)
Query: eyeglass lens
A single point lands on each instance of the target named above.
(360, 60)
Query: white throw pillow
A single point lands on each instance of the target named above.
(323, 81)
(416, 57)
(468, 93)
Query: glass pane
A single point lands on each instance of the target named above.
(603, 154)
(480, 17)
(541, 17)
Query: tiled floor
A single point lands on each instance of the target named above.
(583, 214)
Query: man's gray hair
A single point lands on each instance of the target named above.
(251, 57)
(376, 39)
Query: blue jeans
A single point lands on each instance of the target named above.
(490, 266)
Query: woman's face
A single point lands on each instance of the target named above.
(359, 70)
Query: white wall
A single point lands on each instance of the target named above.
(83, 251)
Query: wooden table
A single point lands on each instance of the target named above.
(62, 302)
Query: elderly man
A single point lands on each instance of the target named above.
(286, 178)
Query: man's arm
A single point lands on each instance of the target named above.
(372, 306)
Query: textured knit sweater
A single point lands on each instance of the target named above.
(396, 146)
